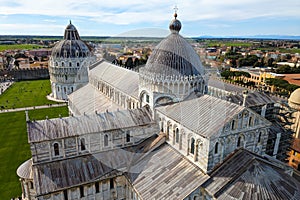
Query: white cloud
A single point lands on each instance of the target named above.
(138, 11)
(41, 29)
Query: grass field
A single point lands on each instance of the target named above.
(4, 47)
(25, 94)
(14, 149)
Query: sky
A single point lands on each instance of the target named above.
(150, 17)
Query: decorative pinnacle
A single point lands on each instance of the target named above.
(175, 9)
(70, 22)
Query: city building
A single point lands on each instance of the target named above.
(153, 134)
(68, 64)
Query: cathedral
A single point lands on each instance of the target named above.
(152, 134)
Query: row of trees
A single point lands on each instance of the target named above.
(281, 84)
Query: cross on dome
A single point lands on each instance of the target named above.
(175, 9)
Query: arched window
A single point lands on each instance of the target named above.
(56, 64)
(81, 191)
(162, 126)
(250, 121)
(192, 146)
(105, 140)
(168, 130)
(82, 144)
(62, 64)
(239, 141)
(128, 136)
(77, 64)
(66, 77)
(217, 148)
(233, 125)
(177, 135)
(56, 149)
(31, 185)
(259, 137)
(70, 64)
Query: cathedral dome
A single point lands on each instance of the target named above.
(71, 46)
(294, 100)
(174, 55)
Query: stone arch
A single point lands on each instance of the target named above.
(169, 125)
(177, 135)
(56, 149)
(82, 144)
(162, 124)
(142, 96)
(240, 141)
(192, 146)
(217, 151)
(165, 99)
(174, 133)
(105, 140)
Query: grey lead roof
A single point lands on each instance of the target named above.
(212, 82)
(96, 101)
(71, 46)
(245, 175)
(166, 174)
(204, 115)
(175, 177)
(120, 78)
(253, 99)
(174, 56)
(78, 125)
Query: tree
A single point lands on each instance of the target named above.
(129, 63)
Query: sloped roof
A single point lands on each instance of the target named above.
(155, 172)
(166, 174)
(57, 175)
(174, 56)
(96, 101)
(245, 175)
(225, 86)
(120, 78)
(252, 99)
(78, 125)
(204, 115)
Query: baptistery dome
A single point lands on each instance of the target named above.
(71, 46)
(174, 55)
(68, 64)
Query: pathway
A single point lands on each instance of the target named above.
(34, 107)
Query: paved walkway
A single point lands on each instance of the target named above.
(33, 107)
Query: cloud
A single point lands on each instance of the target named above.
(109, 17)
(23, 29)
(139, 11)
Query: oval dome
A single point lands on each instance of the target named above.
(294, 100)
(71, 46)
(174, 55)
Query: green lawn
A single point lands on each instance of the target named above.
(26, 93)
(14, 149)
(4, 47)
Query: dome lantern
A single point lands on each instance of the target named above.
(175, 24)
